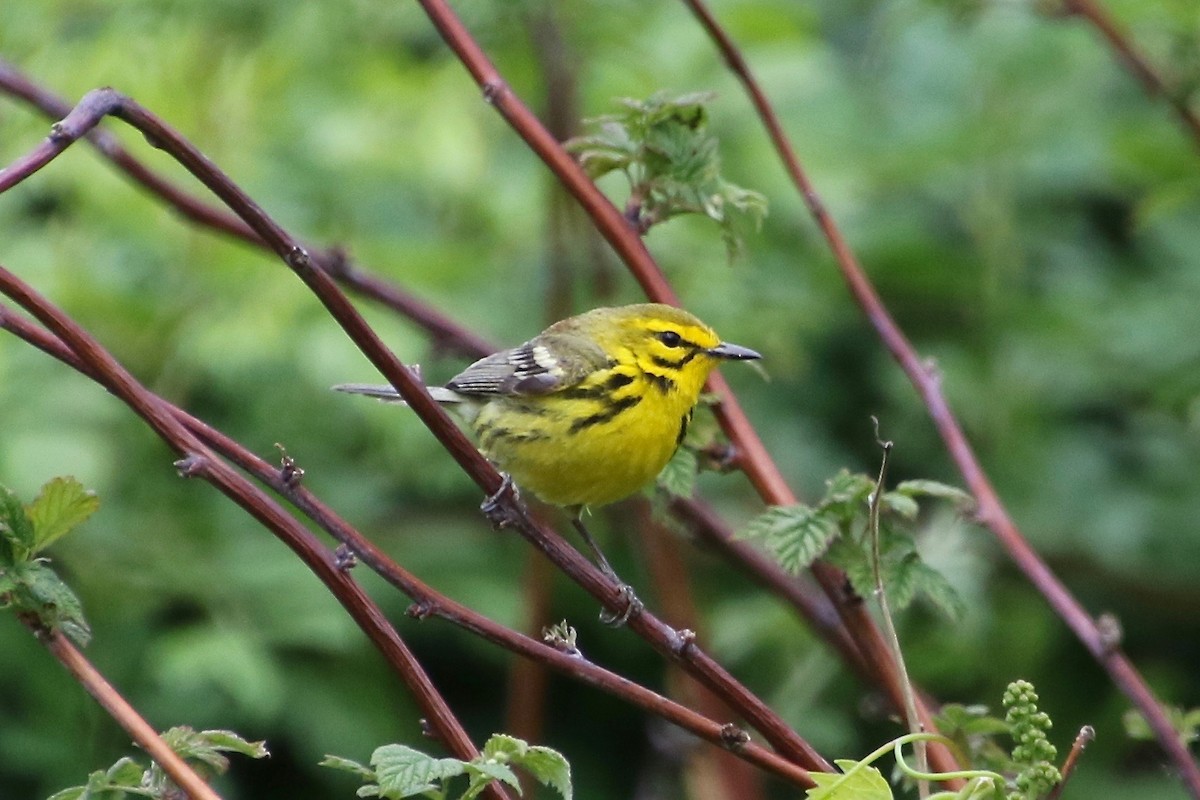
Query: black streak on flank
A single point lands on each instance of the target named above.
(597, 391)
(609, 413)
(684, 421)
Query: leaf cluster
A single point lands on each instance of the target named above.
(398, 771)
(836, 528)
(27, 584)
(972, 732)
(664, 148)
(128, 776)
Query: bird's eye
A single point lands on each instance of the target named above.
(670, 338)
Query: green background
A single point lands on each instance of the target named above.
(1028, 214)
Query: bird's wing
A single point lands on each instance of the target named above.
(549, 363)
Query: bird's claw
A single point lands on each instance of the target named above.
(499, 507)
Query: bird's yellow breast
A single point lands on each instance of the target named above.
(595, 443)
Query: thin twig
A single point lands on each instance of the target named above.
(1085, 736)
(926, 380)
(120, 710)
(874, 504)
(1125, 51)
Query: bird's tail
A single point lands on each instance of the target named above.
(388, 394)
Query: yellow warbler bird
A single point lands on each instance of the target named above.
(592, 408)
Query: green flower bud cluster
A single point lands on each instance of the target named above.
(1033, 752)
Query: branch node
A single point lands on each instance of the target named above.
(682, 641)
(1111, 631)
(289, 472)
(58, 133)
(191, 465)
(429, 731)
(493, 89)
(344, 558)
(733, 737)
(419, 610)
(300, 261)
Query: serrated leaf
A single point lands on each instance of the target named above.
(402, 771)
(900, 580)
(16, 530)
(846, 494)
(483, 773)
(125, 772)
(61, 506)
(550, 768)
(939, 591)
(678, 477)
(795, 535)
(502, 747)
(42, 592)
(865, 783)
(209, 746)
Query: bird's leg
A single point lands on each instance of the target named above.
(632, 604)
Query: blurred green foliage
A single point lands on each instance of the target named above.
(1027, 213)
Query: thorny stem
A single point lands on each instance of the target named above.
(428, 602)
(199, 461)
(95, 105)
(818, 610)
(120, 710)
(991, 511)
(756, 462)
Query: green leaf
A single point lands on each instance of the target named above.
(954, 718)
(795, 535)
(502, 747)
(939, 591)
(865, 783)
(348, 765)
(42, 592)
(550, 768)
(899, 504)
(209, 746)
(125, 772)
(62, 505)
(545, 764)
(73, 793)
(484, 772)
(678, 477)
(846, 494)
(404, 772)
(940, 491)
(16, 531)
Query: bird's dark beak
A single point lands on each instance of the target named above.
(732, 352)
